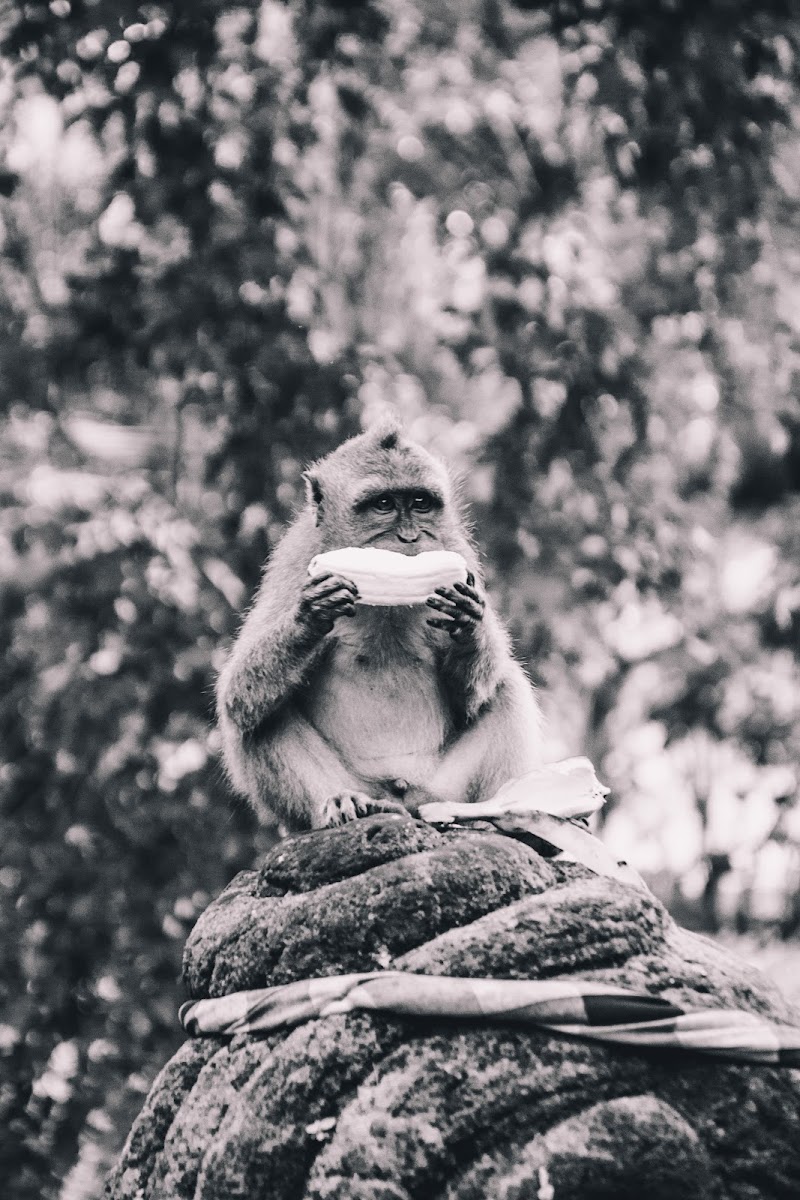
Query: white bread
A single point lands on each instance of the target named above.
(386, 578)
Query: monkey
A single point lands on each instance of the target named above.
(330, 710)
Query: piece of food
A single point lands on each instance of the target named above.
(386, 578)
(569, 788)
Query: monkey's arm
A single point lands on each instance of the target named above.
(478, 655)
(503, 742)
(274, 656)
(294, 772)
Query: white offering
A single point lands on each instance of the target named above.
(385, 578)
(566, 789)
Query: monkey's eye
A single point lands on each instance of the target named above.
(383, 504)
(422, 502)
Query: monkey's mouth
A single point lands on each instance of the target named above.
(410, 549)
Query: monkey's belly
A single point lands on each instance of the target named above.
(385, 725)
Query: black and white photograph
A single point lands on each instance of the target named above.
(400, 600)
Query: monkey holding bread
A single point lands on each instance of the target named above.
(333, 703)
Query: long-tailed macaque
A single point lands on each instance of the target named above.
(329, 709)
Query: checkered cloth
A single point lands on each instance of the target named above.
(574, 1008)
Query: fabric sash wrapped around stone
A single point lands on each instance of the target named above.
(368, 1106)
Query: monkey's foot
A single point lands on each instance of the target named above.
(348, 806)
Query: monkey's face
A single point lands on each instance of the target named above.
(406, 520)
(385, 491)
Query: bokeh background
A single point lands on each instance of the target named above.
(563, 241)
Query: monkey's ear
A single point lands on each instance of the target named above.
(314, 492)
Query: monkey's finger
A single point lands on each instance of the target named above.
(462, 610)
(347, 583)
(315, 604)
(317, 588)
(459, 597)
(443, 603)
(324, 603)
(333, 614)
(318, 583)
(470, 608)
(470, 593)
(343, 610)
(440, 622)
(340, 808)
(335, 597)
(329, 579)
(361, 803)
(339, 600)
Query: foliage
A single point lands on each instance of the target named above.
(559, 240)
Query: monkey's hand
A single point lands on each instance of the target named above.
(462, 607)
(324, 598)
(347, 806)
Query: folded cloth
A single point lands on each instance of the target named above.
(545, 804)
(571, 1007)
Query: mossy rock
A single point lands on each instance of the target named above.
(376, 1107)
